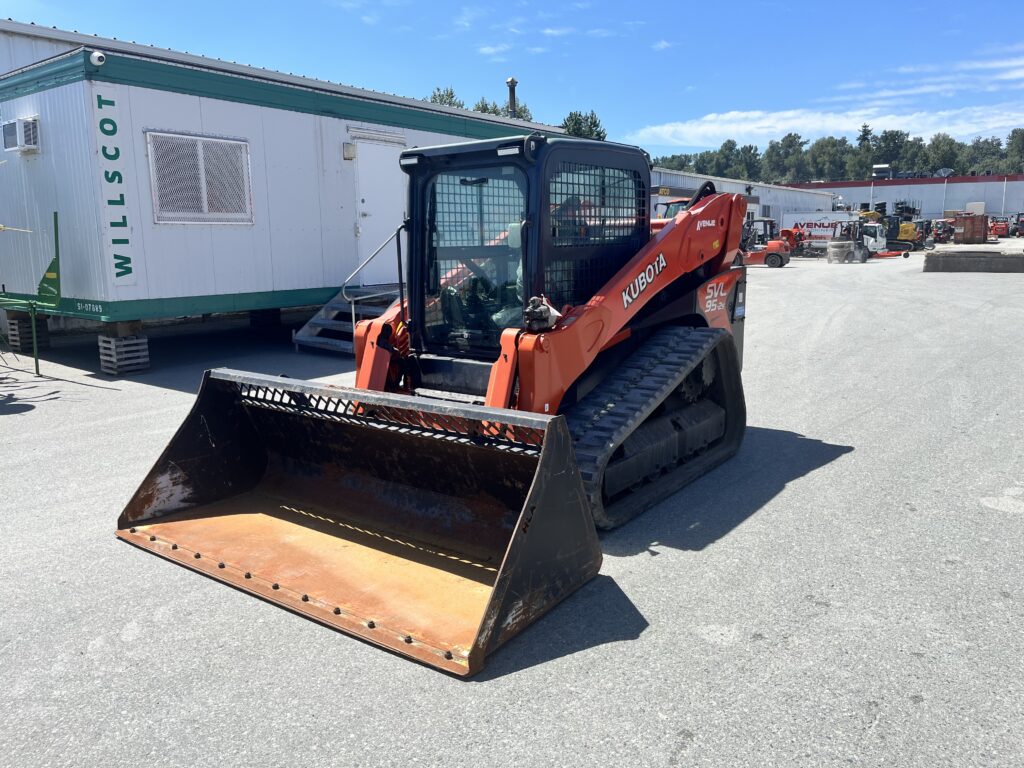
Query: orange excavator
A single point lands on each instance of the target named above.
(551, 367)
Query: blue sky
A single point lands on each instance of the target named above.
(672, 77)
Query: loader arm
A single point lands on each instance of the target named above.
(548, 363)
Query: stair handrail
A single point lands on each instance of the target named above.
(345, 285)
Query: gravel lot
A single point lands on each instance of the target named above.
(848, 590)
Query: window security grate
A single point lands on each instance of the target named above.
(598, 218)
(30, 132)
(199, 180)
(593, 205)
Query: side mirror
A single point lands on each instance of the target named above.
(515, 236)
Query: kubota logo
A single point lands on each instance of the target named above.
(705, 223)
(641, 281)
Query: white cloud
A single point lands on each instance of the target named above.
(758, 127)
(556, 31)
(661, 45)
(886, 93)
(513, 26)
(536, 49)
(1013, 48)
(369, 18)
(908, 69)
(467, 15)
(494, 50)
(991, 64)
(600, 33)
(853, 85)
(1012, 74)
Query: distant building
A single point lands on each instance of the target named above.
(1001, 195)
(763, 200)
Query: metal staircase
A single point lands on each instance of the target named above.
(333, 327)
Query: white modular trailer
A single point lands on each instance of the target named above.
(186, 190)
(763, 200)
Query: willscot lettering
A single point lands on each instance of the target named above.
(113, 178)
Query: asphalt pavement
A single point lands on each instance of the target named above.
(848, 590)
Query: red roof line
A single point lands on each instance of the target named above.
(910, 182)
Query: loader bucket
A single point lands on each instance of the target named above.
(434, 529)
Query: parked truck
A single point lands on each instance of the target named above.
(814, 229)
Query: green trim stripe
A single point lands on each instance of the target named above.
(180, 306)
(43, 77)
(162, 76)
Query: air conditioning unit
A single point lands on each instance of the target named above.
(21, 135)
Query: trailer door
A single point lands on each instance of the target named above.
(380, 208)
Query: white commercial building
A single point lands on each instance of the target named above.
(1001, 195)
(763, 200)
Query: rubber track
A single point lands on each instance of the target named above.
(622, 402)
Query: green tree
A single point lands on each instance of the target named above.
(680, 162)
(704, 162)
(888, 146)
(865, 135)
(773, 166)
(490, 107)
(747, 165)
(724, 159)
(827, 158)
(983, 155)
(785, 160)
(522, 111)
(914, 157)
(587, 126)
(1015, 151)
(859, 161)
(447, 97)
(944, 152)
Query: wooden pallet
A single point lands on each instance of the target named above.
(19, 334)
(123, 354)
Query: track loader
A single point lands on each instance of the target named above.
(551, 368)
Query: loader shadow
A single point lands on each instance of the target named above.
(698, 515)
(598, 614)
(720, 501)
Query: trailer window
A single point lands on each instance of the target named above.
(199, 180)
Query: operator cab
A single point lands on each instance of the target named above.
(496, 223)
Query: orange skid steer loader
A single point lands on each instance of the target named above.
(551, 366)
